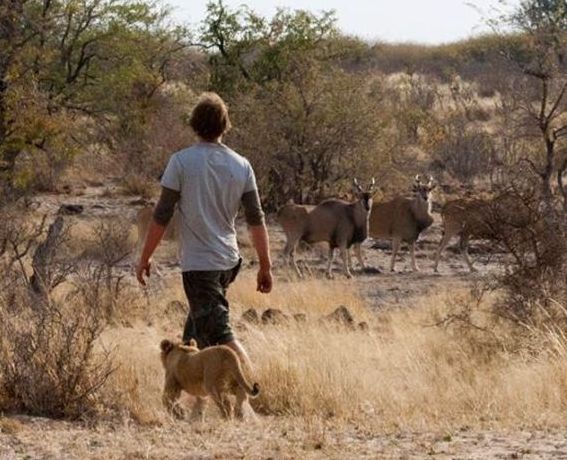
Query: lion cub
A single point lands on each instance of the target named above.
(214, 371)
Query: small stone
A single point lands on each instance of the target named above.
(71, 209)
(381, 244)
(251, 316)
(341, 315)
(300, 317)
(274, 316)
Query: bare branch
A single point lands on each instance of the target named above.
(552, 112)
(535, 169)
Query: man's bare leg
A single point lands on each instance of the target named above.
(242, 354)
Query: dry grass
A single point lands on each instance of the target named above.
(314, 297)
(404, 373)
(137, 185)
(328, 391)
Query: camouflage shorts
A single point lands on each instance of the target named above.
(208, 321)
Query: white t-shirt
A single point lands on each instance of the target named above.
(211, 179)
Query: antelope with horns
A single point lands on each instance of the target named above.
(403, 219)
(337, 222)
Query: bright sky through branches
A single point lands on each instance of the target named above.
(423, 21)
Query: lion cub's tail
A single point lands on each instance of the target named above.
(166, 346)
(252, 390)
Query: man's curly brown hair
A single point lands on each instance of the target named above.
(209, 118)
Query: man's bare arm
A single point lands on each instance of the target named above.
(259, 235)
(153, 238)
(163, 213)
(261, 242)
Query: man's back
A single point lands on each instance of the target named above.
(211, 179)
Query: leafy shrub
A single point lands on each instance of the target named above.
(310, 135)
(465, 154)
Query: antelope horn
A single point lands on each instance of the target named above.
(356, 184)
(430, 181)
(417, 178)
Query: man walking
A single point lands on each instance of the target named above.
(209, 181)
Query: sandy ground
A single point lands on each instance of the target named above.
(277, 437)
(270, 438)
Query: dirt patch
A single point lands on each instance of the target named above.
(281, 438)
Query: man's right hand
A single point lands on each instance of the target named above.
(260, 240)
(264, 280)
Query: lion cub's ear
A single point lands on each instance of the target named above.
(193, 343)
(166, 346)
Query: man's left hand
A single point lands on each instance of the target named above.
(142, 269)
(264, 280)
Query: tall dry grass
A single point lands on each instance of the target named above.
(405, 372)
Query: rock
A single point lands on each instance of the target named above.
(251, 316)
(300, 317)
(381, 244)
(372, 270)
(70, 209)
(342, 316)
(363, 326)
(274, 316)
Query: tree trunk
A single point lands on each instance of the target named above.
(547, 174)
(42, 280)
(561, 185)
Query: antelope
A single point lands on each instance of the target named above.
(337, 222)
(403, 219)
(479, 219)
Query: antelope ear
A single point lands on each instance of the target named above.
(432, 187)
